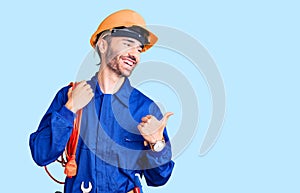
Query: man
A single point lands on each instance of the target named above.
(123, 132)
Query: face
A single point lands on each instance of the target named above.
(123, 55)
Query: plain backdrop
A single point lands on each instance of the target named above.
(255, 45)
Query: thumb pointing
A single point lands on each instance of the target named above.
(166, 117)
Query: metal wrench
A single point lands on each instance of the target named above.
(86, 190)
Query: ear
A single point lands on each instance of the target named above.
(102, 45)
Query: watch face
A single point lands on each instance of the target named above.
(158, 146)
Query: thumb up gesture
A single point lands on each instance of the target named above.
(151, 128)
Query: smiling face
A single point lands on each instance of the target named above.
(123, 55)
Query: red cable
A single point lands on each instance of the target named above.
(57, 181)
(70, 151)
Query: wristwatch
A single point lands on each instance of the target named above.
(158, 145)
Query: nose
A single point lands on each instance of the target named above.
(135, 52)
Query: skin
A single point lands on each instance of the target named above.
(119, 57)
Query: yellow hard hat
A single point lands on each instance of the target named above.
(126, 23)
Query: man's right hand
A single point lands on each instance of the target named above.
(79, 97)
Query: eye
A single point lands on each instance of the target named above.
(140, 49)
(126, 44)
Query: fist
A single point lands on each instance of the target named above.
(79, 96)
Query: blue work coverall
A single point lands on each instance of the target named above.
(110, 151)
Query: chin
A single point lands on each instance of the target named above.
(126, 74)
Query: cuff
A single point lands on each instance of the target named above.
(68, 115)
(156, 159)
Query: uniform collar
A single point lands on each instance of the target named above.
(122, 94)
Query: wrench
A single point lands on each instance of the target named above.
(86, 190)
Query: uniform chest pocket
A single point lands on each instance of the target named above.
(135, 142)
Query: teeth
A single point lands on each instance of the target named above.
(129, 62)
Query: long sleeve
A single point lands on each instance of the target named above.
(159, 164)
(53, 133)
(162, 167)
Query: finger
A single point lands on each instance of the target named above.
(70, 92)
(86, 85)
(145, 119)
(90, 90)
(167, 116)
(91, 94)
(139, 127)
(81, 84)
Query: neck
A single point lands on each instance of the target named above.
(108, 80)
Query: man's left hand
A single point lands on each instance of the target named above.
(152, 129)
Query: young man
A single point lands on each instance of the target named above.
(123, 132)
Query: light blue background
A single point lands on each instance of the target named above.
(254, 43)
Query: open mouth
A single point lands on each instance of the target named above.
(130, 62)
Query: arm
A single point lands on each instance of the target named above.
(159, 165)
(54, 131)
(49, 141)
